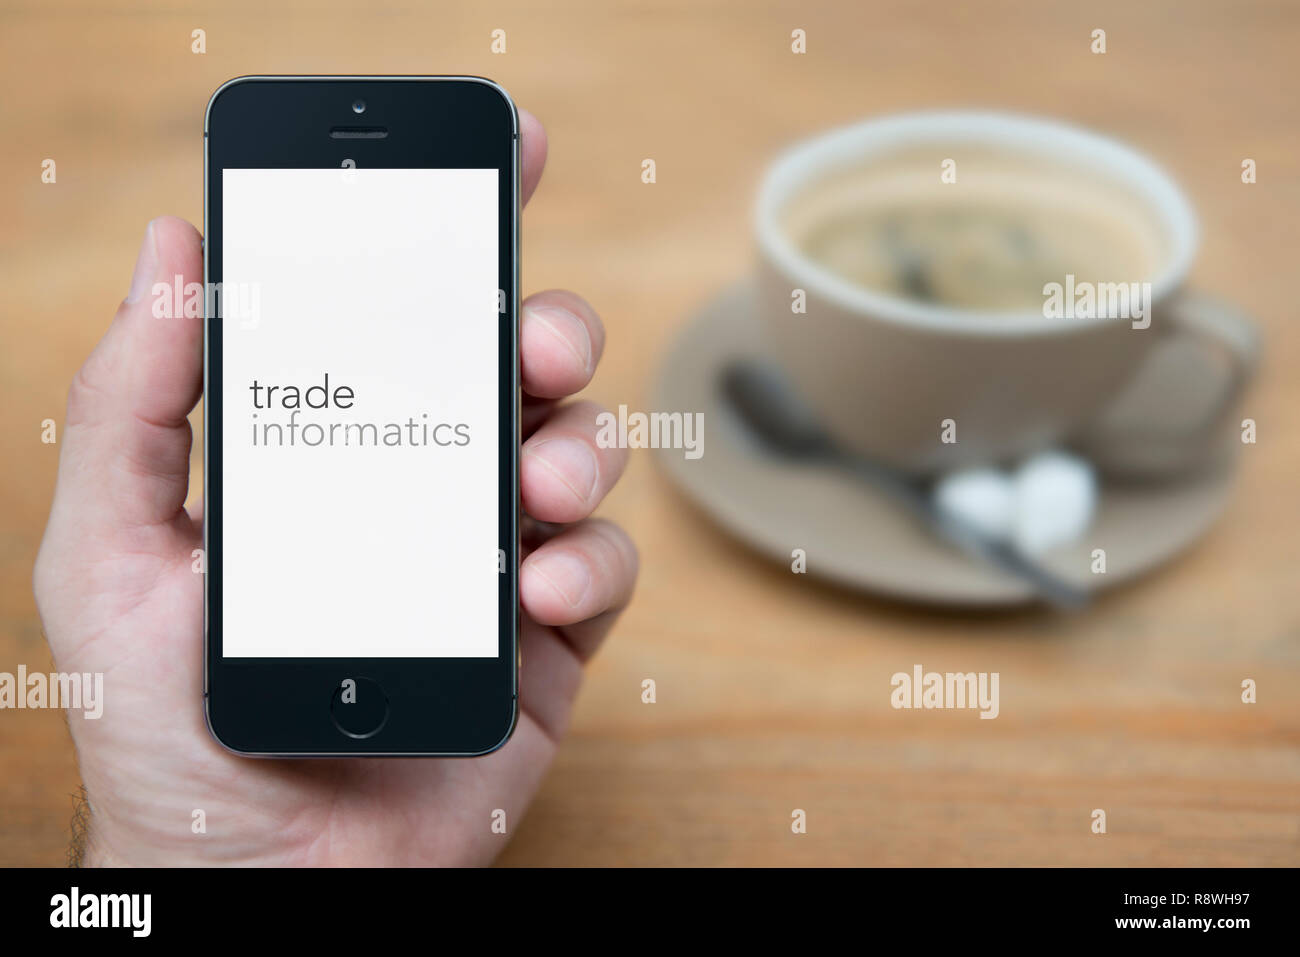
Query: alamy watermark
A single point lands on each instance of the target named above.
(652, 430)
(1092, 300)
(241, 301)
(75, 909)
(75, 691)
(932, 689)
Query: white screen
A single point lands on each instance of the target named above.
(348, 541)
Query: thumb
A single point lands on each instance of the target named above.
(126, 448)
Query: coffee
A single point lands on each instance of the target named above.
(989, 241)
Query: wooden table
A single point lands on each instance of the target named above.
(772, 689)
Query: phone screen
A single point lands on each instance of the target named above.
(360, 445)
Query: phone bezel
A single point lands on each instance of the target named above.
(437, 706)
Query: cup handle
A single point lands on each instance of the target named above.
(1221, 325)
(1215, 326)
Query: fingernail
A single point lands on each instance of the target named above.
(569, 329)
(567, 574)
(146, 267)
(572, 461)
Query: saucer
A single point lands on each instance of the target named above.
(852, 533)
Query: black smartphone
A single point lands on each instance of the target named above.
(361, 416)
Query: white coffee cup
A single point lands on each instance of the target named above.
(888, 375)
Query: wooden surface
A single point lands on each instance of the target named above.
(772, 689)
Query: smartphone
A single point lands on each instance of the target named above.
(361, 416)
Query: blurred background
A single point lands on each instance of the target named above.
(773, 688)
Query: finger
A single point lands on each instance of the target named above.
(549, 678)
(563, 471)
(561, 339)
(534, 534)
(126, 451)
(533, 412)
(583, 572)
(532, 146)
(586, 636)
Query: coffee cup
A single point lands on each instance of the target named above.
(950, 289)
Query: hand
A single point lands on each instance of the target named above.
(117, 595)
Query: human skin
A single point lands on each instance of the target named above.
(117, 595)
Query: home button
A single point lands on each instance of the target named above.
(359, 707)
